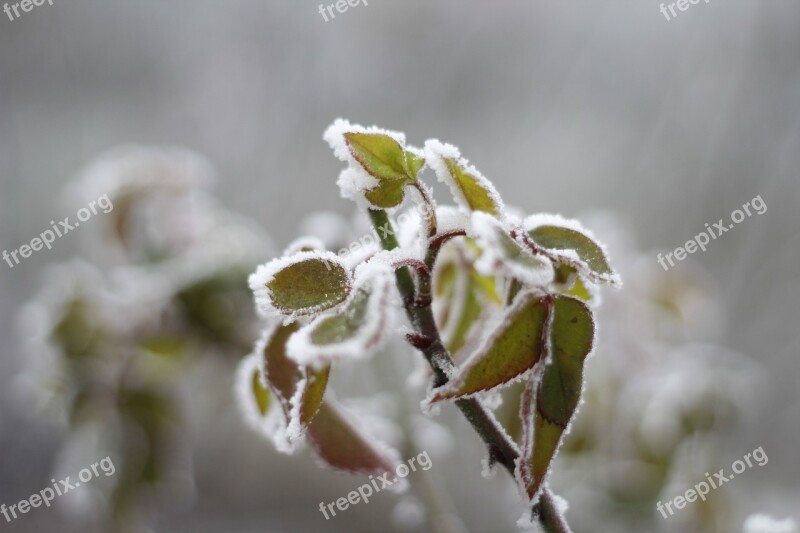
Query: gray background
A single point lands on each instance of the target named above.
(567, 106)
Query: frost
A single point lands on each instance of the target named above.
(488, 466)
(304, 244)
(532, 222)
(501, 252)
(272, 424)
(762, 523)
(353, 182)
(450, 218)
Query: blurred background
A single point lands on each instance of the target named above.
(644, 128)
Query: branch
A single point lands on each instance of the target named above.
(421, 318)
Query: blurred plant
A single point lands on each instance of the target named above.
(325, 308)
(112, 341)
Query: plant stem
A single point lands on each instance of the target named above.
(418, 309)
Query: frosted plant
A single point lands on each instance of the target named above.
(490, 298)
(115, 345)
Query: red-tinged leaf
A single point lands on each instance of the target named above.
(512, 350)
(281, 373)
(547, 414)
(342, 446)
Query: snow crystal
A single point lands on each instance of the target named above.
(294, 430)
(353, 182)
(488, 466)
(451, 218)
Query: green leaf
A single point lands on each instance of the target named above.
(387, 194)
(380, 155)
(414, 164)
(304, 284)
(260, 393)
(592, 257)
(547, 413)
(512, 350)
(385, 159)
(472, 190)
(338, 443)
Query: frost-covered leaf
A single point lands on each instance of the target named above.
(379, 154)
(380, 165)
(307, 401)
(471, 190)
(305, 283)
(354, 331)
(547, 413)
(316, 382)
(281, 373)
(344, 447)
(297, 392)
(387, 194)
(510, 352)
(502, 252)
(258, 405)
(568, 242)
(414, 162)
